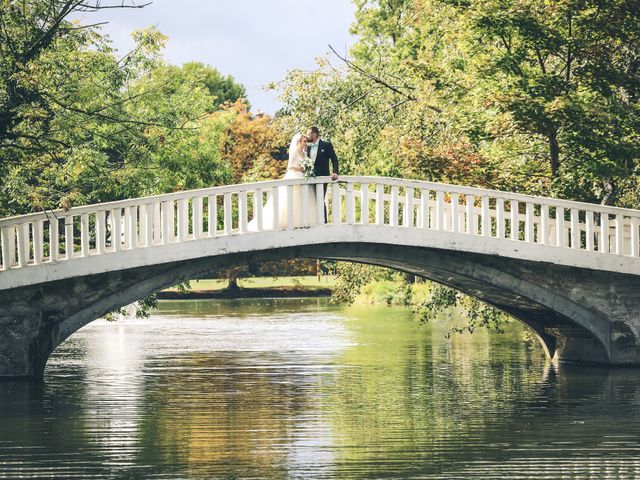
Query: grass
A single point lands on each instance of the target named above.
(265, 282)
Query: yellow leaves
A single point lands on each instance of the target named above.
(150, 39)
(248, 141)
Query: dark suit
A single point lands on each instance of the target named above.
(325, 154)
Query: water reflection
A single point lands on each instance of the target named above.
(279, 388)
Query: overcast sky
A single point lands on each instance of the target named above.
(255, 41)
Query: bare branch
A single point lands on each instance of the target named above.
(370, 76)
(85, 7)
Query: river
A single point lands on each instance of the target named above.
(302, 389)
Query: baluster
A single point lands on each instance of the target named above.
(148, 224)
(486, 219)
(454, 213)
(23, 253)
(276, 208)
(171, 221)
(440, 210)
(13, 234)
(407, 218)
(290, 206)
(561, 234)
(364, 203)
(157, 222)
(227, 214)
(589, 230)
(167, 221)
(257, 208)
(470, 214)
(68, 237)
(101, 231)
(575, 229)
(604, 232)
(27, 240)
(213, 214)
(54, 239)
(6, 237)
(242, 211)
(116, 229)
(197, 216)
(514, 215)
(634, 237)
(38, 241)
(500, 230)
(183, 219)
(619, 224)
(393, 209)
(305, 203)
(424, 208)
(544, 224)
(350, 204)
(336, 204)
(528, 223)
(84, 234)
(129, 224)
(320, 206)
(379, 204)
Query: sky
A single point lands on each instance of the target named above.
(255, 41)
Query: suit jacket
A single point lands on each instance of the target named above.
(325, 154)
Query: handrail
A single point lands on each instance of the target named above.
(36, 238)
(389, 181)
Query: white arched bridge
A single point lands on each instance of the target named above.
(569, 270)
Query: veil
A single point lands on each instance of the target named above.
(293, 146)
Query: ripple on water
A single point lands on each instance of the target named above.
(299, 389)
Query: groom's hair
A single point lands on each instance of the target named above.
(314, 130)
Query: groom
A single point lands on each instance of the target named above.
(321, 152)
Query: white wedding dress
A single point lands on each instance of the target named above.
(293, 171)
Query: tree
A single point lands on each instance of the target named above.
(567, 72)
(538, 97)
(80, 125)
(522, 95)
(223, 89)
(250, 145)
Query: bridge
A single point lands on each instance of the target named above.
(568, 270)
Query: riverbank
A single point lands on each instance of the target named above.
(256, 287)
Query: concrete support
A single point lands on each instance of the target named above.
(580, 315)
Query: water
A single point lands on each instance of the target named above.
(299, 389)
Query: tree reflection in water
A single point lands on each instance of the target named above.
(282, 389)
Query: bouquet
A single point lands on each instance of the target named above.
(307, 167)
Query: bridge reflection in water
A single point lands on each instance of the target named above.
(569, 270)
(299, 389)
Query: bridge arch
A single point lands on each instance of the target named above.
(580, 302)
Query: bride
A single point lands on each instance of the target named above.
(297, 152)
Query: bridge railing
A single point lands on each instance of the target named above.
(62, 235)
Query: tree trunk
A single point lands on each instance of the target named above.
(554, 151)
(232, 279)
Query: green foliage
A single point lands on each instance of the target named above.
(522, 95)
(224, 90)
(537, 97)
(352, 277)
(80, 125)
(478, 314)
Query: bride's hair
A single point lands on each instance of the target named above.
(293, 146)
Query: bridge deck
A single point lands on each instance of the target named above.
(542, 224)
